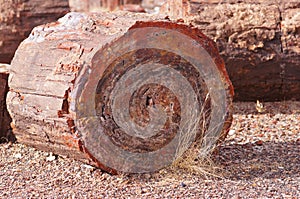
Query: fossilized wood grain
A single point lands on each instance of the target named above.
(38, 100)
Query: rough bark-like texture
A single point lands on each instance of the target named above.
(17, 18)
(92, 5)
(118, 93)
(5, 133)
(176, 9)
(152, 6)
(259, 42)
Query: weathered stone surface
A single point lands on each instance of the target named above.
(107, 5)
(259, 42)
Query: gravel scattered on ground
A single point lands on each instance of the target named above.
(260, 158)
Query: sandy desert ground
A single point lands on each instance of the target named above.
(260, 158)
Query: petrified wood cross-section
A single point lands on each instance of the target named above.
(125, 92)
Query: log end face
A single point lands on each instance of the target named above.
(152, 69)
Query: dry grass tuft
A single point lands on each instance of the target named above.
(189, 158)
(191, 163)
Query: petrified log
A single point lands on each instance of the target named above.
(125, 92)
(259, 42)
(17, 18)
(4, 116)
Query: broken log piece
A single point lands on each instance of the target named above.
(122, 91)
(259, 42)
(4, 116)
(17, 18)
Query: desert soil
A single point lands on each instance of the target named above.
(260, 158)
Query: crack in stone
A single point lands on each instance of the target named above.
(282, 65)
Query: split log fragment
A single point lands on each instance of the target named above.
(122, 91)
(5, 134)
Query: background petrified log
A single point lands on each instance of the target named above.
(118, 93)
(175, 8)
(17, 18)
(259, 42)
(92, 5)
(4, 116)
